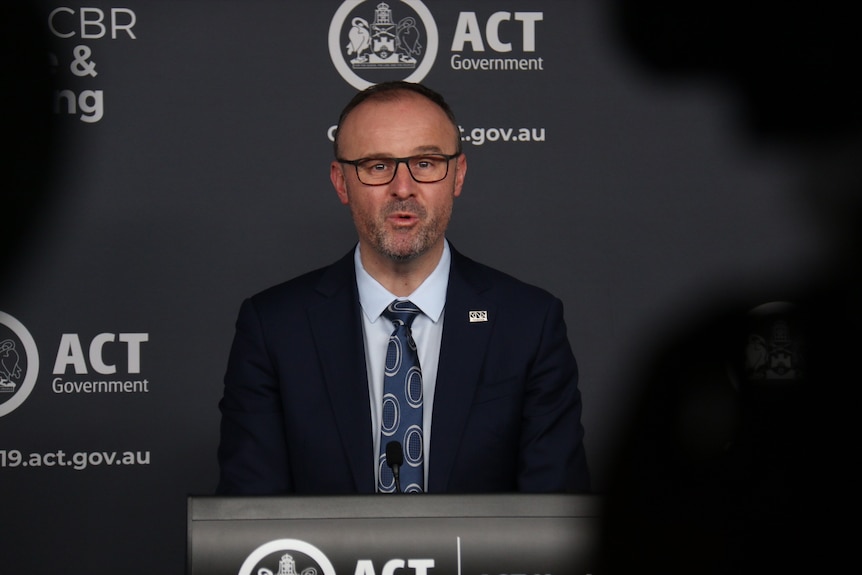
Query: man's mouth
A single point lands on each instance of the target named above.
(404, 214)
(402, 218)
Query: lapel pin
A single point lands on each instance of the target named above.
(477, 316)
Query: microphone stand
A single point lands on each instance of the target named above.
(394, 459)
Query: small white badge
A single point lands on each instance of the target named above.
(477, 316)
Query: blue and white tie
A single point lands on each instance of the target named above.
(401, 418)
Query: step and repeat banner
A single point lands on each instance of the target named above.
(167, 159)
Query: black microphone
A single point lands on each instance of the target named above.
(394, 459)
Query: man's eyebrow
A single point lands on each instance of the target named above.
(429, 149)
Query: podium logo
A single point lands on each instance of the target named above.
(373, 42)
(287, 556)
(19, 363)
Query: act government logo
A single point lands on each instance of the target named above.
(287, 556)
(373, 41)
(19, 363)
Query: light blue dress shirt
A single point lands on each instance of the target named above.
(427, 329)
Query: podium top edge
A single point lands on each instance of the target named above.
(229, 508)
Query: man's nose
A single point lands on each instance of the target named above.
(403, 183)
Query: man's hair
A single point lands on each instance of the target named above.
(391, 91)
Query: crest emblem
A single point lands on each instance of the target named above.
(285, 555)
(775, 346)
(10, 366)
(384, 43)
(19, 363)
(370, 43)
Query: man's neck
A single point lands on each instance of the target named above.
(401, 278)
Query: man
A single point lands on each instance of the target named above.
(305, 406)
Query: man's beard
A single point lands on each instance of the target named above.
(392, 245)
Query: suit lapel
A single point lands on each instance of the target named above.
(337, 327)
(462, 357)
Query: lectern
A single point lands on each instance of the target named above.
(529, 534)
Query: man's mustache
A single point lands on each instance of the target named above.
(409, 205)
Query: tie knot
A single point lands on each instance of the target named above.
(401, 312)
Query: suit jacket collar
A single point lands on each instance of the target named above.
(462, 357)
(337, 328)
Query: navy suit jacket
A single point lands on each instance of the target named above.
(507, 409)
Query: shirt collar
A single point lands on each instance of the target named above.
(430, 296)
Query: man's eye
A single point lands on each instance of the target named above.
(425, 163)
(377, 166)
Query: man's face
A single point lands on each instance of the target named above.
(404, 219)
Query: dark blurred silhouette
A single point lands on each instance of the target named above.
(739, 456)
(29, 130)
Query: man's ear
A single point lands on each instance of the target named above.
(460, 173)
(336, 175)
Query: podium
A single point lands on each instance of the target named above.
(531, 534)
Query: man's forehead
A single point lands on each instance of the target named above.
(383, 103)
(425, 125)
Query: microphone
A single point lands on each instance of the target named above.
(394, 459)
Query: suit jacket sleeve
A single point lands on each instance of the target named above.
(252, 452)
(552, 455)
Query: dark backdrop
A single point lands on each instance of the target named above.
(162, 169)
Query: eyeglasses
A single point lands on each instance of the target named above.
(425, 169)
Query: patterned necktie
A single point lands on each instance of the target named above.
(401, 418)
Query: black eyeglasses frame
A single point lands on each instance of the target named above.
(398, 162)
